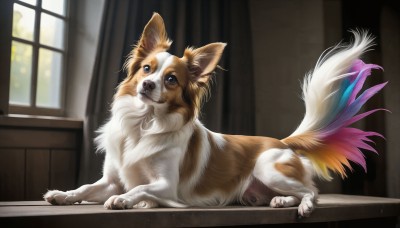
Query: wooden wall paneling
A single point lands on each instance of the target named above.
(37, 173)
(38, 138)
(12, 174)
(63, 169)
(37, 156)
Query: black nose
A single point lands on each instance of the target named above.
(149, 85)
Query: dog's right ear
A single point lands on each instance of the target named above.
(154, 35)
(202, 61)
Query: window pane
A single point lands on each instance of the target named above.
(21, 73)
(52, 31)
(49, 79)
(23, 22)
(56, 6)
(32, 2)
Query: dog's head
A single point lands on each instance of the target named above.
(165, 81)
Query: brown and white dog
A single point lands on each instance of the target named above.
(159, 154)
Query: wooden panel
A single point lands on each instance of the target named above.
(37, 173)
(63, 169)
(12, 174)
(28, 138)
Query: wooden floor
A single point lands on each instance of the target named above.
(333, 210)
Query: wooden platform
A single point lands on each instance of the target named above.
(333, 210)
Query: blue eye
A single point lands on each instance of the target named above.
(146, 69)
(171, 80)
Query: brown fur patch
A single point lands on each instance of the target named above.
(229, 166)
(127, 87)
(192, 156)
(175, 94)
(306, 141)
(292, 168)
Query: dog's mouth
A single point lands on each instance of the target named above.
(145, 95)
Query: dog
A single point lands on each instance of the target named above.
(158, 153)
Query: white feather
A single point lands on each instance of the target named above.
(320, 86)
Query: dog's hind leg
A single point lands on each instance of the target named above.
(282, 171)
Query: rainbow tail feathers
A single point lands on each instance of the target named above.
(332, 100)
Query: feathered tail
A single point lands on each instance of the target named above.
(330, 95)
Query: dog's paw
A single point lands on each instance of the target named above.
(118, 202)
(280, 201)
(305, 208)
(56, 197)
(146, 204)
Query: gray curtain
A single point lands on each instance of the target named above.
(189, 23)
(102, 86)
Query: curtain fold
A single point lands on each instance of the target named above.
(102, 86)
(230, 108)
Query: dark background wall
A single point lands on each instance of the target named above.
(288, 37)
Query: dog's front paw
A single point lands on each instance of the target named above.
(280, 201)
(146, 204)
(56, 197)
(118, 202)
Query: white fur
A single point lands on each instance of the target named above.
(293, 191)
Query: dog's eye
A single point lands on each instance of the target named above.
(146, 69)
(171, 80)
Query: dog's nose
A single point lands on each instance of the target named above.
(149, 85)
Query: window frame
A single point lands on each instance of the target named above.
(33, 109)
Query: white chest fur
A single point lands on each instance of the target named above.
(136, 140)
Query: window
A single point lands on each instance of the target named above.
(38, 56)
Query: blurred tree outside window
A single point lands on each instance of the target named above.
(38, 54)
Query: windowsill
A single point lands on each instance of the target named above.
(17, 120)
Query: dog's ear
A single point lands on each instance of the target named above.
(154, 35)
(202, 61)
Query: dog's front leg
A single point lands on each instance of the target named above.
(162, 190)
(155, 193)
(98, 192)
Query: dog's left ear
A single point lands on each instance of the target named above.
(202, 61)
(154, 35)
